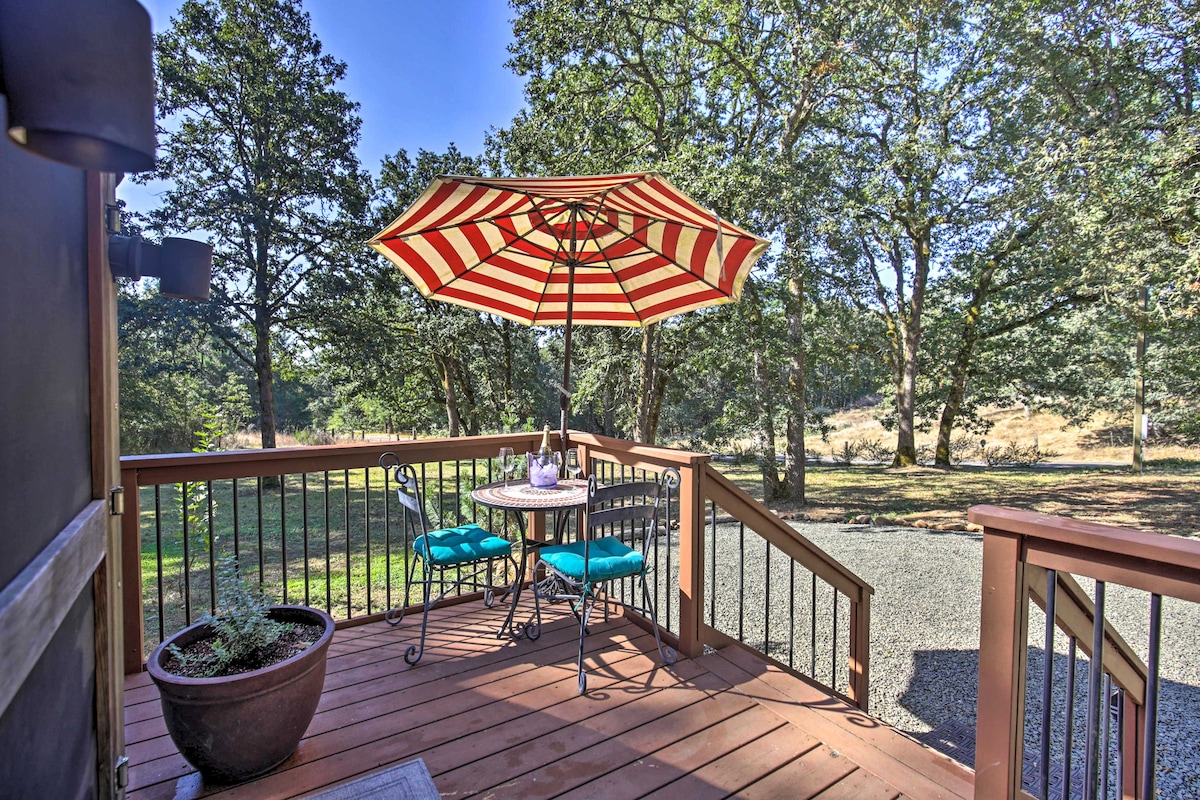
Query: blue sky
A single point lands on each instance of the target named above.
(424, 72)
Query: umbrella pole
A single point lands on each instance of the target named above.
(564, 398)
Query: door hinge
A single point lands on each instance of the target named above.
(116, 501)
(122, 773)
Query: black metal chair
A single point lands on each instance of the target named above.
(581, 571)
(450, 557)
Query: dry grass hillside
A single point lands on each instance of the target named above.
(1104, 440)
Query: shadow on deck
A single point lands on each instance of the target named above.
(502, 719)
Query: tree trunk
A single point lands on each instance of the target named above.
(910, 335)
(264, 375)
(765, 429)
(768, 465)
(643, 429)
(450, 390)
(797, 403)
(962, 363)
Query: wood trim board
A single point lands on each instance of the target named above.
(34, 604)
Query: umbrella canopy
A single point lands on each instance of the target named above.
(598, 250)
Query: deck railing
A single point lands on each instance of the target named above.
(1112, 738)
(319, 525)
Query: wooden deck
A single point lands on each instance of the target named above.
(502, 719)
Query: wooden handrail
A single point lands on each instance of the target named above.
(183, 467)
(1018, 546)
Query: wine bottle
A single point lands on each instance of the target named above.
(545, 454)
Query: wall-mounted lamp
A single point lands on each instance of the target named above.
(79, 78)
(183, 266)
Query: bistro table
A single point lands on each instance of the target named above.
(521, 498)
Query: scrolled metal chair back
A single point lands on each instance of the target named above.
(408, 488)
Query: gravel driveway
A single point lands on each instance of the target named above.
(925, 638)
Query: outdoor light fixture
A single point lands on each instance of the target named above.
(183, 266)
(79, 79)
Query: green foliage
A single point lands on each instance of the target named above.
(258, 151)
(241, 626)
(1020, 455)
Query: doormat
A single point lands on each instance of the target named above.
(407, 781)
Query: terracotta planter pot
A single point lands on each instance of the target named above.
(239, 726)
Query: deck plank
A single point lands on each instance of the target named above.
(686, 758)
(497, 718)
(903, 762)
(803, 778)
(733, 772)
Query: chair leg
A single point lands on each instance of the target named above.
(669, 656)
(395, 615)
(414, 652)
(586, 603)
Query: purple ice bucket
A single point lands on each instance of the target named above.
(543, 470)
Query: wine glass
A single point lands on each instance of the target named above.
(573, 465)
(508, 462)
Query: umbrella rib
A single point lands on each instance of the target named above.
(621, 286)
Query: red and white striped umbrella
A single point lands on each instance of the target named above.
(596, 250)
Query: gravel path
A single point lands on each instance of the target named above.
(925, 633)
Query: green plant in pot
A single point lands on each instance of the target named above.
(240, 687)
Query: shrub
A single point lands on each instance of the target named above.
(240, 625)
(1017, 455)
(848, 452)
(875, 451)
(961, 447)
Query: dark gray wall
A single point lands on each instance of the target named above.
(47, 744)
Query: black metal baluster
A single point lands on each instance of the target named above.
(712, 569)
(767, 603)
(441, 494)
(1104, 736)
(212, 546)
(741, 580)
(812, 640)
(1091, 748)
(346, 520)
(1069, 734)
(1150, 761)
(458, 493)
(367, 528)
(833, 655)
(187, 561)
(328, 563)
(261, 570)
(304, 521)
(1047, 681)
(237, 545)
(158, 557)
(283, 565)
(791, 613)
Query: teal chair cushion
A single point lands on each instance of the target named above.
(464, 543)
(607, 558)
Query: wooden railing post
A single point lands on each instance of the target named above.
(860, 650)
(691, 559)
(131, 575)
(1002, 642)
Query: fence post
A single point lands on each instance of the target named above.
(131, 574)
(691, 558)
(1004, 630)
